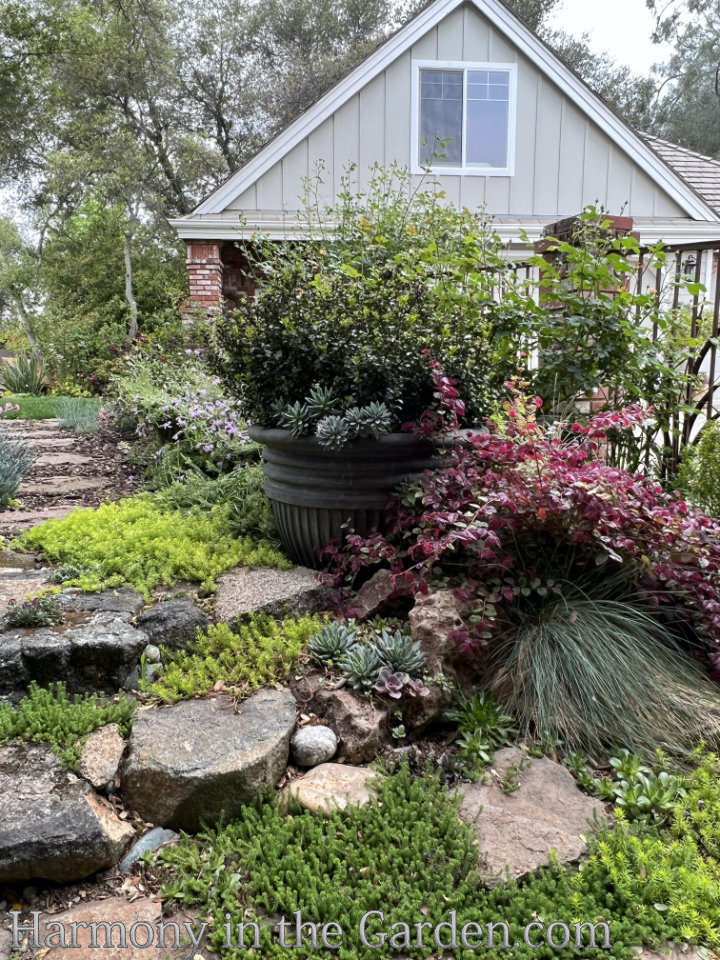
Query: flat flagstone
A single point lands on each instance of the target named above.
(61, 486)
(541, 809)
(63, 460)
(113, 942)
(13, 522)
(15, 585)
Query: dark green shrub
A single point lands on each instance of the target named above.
(335, 338)
(699, 476)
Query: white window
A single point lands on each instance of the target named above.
(464, 117)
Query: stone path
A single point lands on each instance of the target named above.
(70, 471)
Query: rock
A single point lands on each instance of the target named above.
(132, 681)
(374, 596)
(331, 787)
(264, 590)
(62, 459)
(671, 951)
(360, 725)
(173, 623)
(14, 676)
(195, 760)
(63, 486)
(13, 558)
(16, 583)
(101, 755)
(432, 620)
(95, 652)
(517, 830)
(53, 826)
(144, 912)
(13, 522)
(152, 653)
(152, 840)
(124, 600)
(313, 745)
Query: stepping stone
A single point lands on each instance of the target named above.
(332, 787)
(53, 826)
(13, 522)
(196, 760)
(517, 830)
(96, 652)
(122, 601)
(61, 486)
(264, 590)
(13, 558)
(101, 756)
(50, 441)
(173, 623)
(112, 943)
(63, 460)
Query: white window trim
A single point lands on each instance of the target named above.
(417, 66)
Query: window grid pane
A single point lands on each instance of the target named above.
(441, 117)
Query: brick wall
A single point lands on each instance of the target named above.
(205, 271)
(219, 274)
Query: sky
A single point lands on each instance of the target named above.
(620, 27)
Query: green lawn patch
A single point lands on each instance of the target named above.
(410, 857)
(135, 542)
(44, 408)
(255, 654)
(63, 722)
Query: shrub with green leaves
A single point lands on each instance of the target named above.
(51, 716)
(242, 491)
(254, 654)
(411, 857)
(699, 475)
(332, 344)
(139, 543)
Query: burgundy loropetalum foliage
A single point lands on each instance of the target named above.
(519, 508)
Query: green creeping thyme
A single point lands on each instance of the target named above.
(253, 655)
(51, 716)
(411, 857)
(139, 543)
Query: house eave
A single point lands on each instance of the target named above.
(510, 230)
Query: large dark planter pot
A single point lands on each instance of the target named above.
(318, 495)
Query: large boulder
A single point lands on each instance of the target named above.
(540, 809)
(173, 623)
(193, 761)
(360, 724)
(53, 826)
(265, 590)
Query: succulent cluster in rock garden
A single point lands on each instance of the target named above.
(385, 661)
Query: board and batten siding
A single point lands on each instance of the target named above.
(563, 161)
